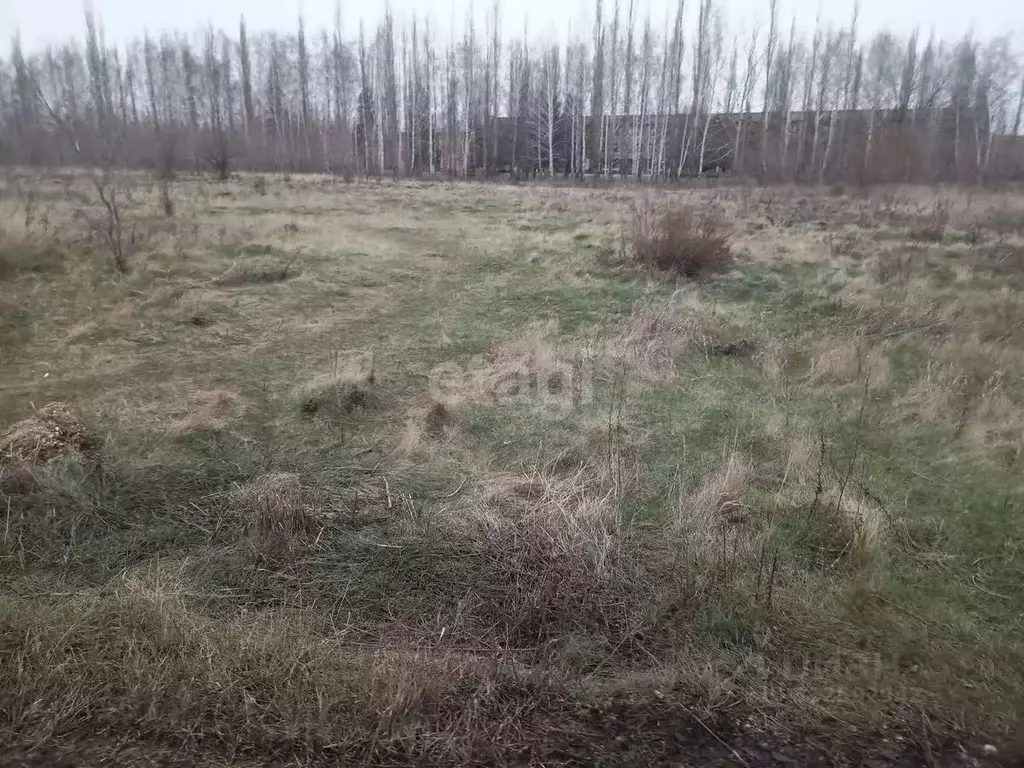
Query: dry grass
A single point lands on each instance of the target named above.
(714, 519)
(511, 534)
(275, 505)
(848, 361)
(426, 426)
(657, 337)
(214, 410)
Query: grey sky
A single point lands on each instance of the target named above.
(42, 22)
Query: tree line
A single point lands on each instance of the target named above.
(648, 98)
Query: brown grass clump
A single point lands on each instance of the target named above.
(713, 519)
(213, 411)
(552, 550)
(969, 385)
(656, 337)
(51, 431)
(932, 225)
(435, 422)
(1004, 222)
(680, 241)
(846, 362)
(336, 399)
(81, 331)
(530, 367)
(278, 518)
(893, 267)
(275, 505)
(830, 502)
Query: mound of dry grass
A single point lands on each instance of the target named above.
(837, 517)
(275, 505)
(970, 386)
(656, 337)
(680, 241)
(51, 431)
(532, 365)
(212, 411)
(280, 518)
(427, 425)
(713, 521)
(335, 399)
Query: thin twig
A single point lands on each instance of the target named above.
(7, 522)
(974, 581)
(720, 740)
(455, 493)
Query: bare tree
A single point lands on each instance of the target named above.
(769, 54)
(611, 119)
(597, 93)
(627, 106)
(1020, 110)
(246, 68)
(303, 99)
(750, 74)
(469, 95)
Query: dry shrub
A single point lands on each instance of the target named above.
(51, 431)
(680, 241)
(931, 227)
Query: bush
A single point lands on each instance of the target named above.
(931, 228)
(681, 241)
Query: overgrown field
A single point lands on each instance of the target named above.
(429, 473)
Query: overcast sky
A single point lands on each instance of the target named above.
(41, 22)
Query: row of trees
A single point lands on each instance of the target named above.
(646, 97)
